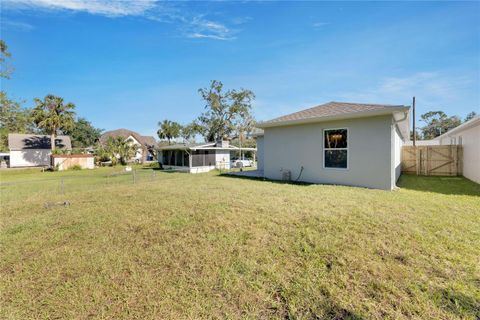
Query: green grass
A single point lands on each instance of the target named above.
(178, 245)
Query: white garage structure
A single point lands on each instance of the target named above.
(336, 143)
(30, 150)
(468, 136)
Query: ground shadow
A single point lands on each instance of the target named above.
(324, 308)
(458, 304)
(443, 185)
(298, 183)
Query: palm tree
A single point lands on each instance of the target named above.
(118, 149)
(126, 150)
(169, 130)
(52, 115)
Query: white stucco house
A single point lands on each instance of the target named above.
(336, 143)
(31, 150)
(197, 157)
(468, 136)
(145, 144)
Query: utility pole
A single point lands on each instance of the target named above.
(414, 129)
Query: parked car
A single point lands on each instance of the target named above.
(240, 163)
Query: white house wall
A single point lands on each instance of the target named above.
(370, 162)
(222, 159)
(29, 158)
(260, 153)
(397, 154)
(139, 152)
(471, 150)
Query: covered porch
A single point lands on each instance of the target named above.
(190, 160)
(197, 158)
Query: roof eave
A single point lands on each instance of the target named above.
(354, 115)
(466, 125)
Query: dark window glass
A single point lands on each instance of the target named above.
(178, 158)
(336, 138)
(164, 157)
(197, 158)
(186, 162)
(336, 159)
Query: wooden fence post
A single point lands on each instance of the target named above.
(455, 161)
(427, 160)
(417, 159)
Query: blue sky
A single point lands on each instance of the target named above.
(131, 64)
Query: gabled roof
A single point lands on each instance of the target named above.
(20, 141)
(149, 140)
(470, 123)
(188, 146)
(125, 133)
(202, 146)
(333, 111)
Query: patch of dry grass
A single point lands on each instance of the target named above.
(207, 246)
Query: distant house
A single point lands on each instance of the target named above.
(197, 157)
(31, 150)
(466, 135)
(336, 143)
(146, 144)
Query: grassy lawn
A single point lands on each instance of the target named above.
(177, 245)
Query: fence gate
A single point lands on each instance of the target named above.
(432, 160)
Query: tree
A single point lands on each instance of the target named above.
(224, 111)
(117, 149)
(13, 118)
(53, 115)
(470, 116)
(169, 130)
(5, 70)
(83, 133)
(189, 131)
(127, 149)
(437, 123)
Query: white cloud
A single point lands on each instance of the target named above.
(16, 25)
(201, 28)
(241, 20)
(110, 8)
(207, 36)
(190, 25)
(434, 89)
(319, 24)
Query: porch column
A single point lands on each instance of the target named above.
(189, 159)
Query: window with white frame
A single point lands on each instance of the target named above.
(335, 148)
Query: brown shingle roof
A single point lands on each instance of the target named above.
(20, 141)
(330, 110)
(149, 140)
(125, 133)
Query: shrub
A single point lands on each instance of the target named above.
(60, 151)
(153, 165)
(76, 167)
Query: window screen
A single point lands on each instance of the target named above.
(335, 148)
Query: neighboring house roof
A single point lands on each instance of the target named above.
(149, 140)
(333, 111)
(475, 121)
(19, 141)
(125, 133)
(202, 146)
